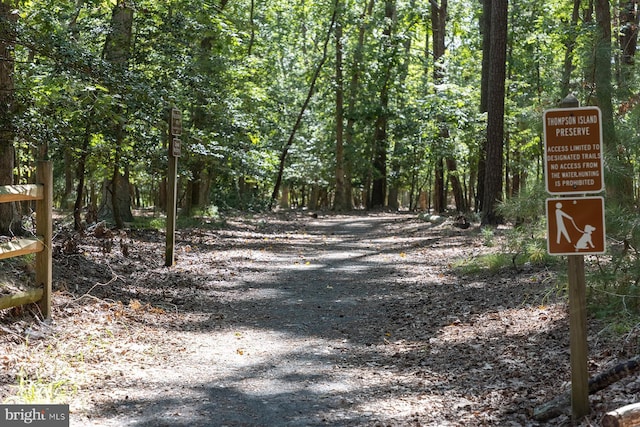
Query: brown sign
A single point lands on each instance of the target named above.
(575, 226)
(573, 150)
(176, 147)
(176, 122)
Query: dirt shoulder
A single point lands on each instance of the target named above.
(291, 320)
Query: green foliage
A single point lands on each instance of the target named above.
(149, 223)
(488, 236)
(207, 217)
(240, 74)
(517, 247)
(614, 281)
(528, 244)
(526, 207)
(491, 263)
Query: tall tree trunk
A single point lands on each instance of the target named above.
(485, 29)
(303, 108)
(340, 198)
(200, 119)
(439, 29)
(9, 218)
(570, 44)
(628, 30)
(80, 173)
(619, 181)
(438, 24)
(380, 141)
(117, 51)
(354, 86)
(495, 118)
(398, 147)
(379, 183)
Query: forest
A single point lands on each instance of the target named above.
(395, 104)
(321, 105)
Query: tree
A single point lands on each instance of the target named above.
(117, 52)
(303, 108)
(380, 141)
(495, 118)
(402, 131)
(340, 203)
(353, 90)
(9, 219)
(628, 35)
(485, 30)
(619, 181)
(570, 44)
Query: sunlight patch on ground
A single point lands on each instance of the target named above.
(242, 292)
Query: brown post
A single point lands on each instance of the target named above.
(577, 322)
(175, 130)
(578, 337)
(44, 230)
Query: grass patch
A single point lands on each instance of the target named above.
(517, 248)
(201, 218)
(38, 390)
(489, 262)
(149, 223)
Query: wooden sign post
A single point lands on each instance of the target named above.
(175, 130)
(573, 165)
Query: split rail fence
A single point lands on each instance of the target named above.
(42, 194)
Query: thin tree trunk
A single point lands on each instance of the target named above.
(356, 67)
(439, 27)
(80, 172)
(303, 108)
(380, 142)
(438, 23)
(398, 148)
(340, 199)
(570, 44)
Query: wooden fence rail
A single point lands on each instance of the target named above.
(42, 194)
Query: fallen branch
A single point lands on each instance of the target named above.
(562, 403)
(627, 416)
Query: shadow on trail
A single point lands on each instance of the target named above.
(351, 321)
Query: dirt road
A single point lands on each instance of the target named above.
(298, 321)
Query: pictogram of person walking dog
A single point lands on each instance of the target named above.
(584, 242)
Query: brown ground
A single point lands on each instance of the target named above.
(290, 320)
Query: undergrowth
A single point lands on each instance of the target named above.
(613, 279)
(208, 217)
(516, 247)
